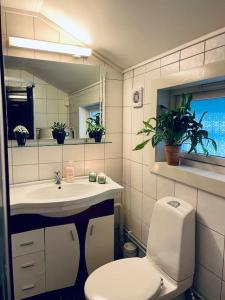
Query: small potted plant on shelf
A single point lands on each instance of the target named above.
(21, 134)
(174, 127)
(95, 129)
(58, 132)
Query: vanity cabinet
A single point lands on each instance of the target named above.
(52, 253)
(62, 254)
(99, 245)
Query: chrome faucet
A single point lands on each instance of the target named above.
(57, 177)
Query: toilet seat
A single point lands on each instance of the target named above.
(124, 279)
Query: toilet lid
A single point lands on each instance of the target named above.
(124, 279)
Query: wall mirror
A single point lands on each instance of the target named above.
(40, 93)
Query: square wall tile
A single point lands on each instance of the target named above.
(136, 176)
(137, 119)
(113, 169)
(186, 193)
(149, 183)
(42, 31)
(144, 233)
(192, 62)
(25, 156)
(94, 165)
(136, 155)
(215, 55)
(114, 122)
(128, 75)
(25, 173)
(210, 249)
(46, 171)
(127, 145)
(211, 211)
(215, 42)
(165, 187)
(127, 110)
(153, 65)
(73, 152)
(19, 25)
(126, 172)
(148, 204)
(113, 149)
(50, 154)
(126, 197)
(139, 81)
(114, 93)
(10, 175)
(192, 50)
(94, 151)
(140, 70)
(170, 69)
(127, 92)
(169, 59)
(136, 203)
(207, 284)
(135, 226)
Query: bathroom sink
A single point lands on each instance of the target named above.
(47, 198)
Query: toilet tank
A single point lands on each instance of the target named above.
(171, 241)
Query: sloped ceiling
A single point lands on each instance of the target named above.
(130, 31)
(75, 77)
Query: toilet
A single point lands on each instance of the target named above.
(168, 267)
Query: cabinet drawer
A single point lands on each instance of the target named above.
(27, 242)
(29, 265)
(31, 287)
(29, 275)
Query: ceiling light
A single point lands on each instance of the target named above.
(49, 47)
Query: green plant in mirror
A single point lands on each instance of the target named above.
(94, 128)
(58, 127)
(176, 126)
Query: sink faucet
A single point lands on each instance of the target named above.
(57, 177)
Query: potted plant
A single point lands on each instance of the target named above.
(21, 134)
(58, 132)
(174, 127)
(95, 129)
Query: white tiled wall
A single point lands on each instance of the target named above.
(49, 102)
(27, 164)
(142, 188)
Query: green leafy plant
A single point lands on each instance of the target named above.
(94, 125)
(58, 127)
(176, 126)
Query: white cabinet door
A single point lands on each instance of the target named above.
(99, 245)
(62, 256)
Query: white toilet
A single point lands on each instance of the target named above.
(167, 269)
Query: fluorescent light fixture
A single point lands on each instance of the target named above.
(49, 47)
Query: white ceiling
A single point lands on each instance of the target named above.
(75, 77)
(130, 31)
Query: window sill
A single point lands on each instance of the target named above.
(211, 182)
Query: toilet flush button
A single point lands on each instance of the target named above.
(175, 204)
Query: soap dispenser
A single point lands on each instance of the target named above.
(70, 172)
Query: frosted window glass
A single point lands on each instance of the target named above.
(213, 122)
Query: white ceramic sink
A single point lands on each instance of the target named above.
(47, 198)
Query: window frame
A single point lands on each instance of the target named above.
(214, 90)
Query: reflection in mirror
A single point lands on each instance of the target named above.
(40, 93)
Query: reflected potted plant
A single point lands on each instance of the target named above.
(21, 134)
(174, 127)
(95, 129)
(58, 132)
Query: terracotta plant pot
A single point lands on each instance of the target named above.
(172, 155)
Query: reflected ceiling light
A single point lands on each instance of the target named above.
(49, 47)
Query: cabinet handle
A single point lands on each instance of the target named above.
(91, 229)
(72, 235)
(28, 287)
(28, 265)
(28, 243)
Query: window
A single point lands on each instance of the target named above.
(213, 122)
